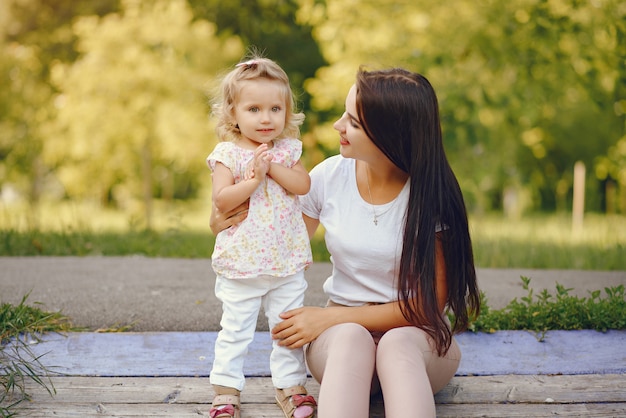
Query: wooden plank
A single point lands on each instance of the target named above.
(143, 410)
(587, 410)
(272, 411)
(461, 390)
(534, 389)
(486, 396)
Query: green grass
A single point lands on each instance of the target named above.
(20, 326)
(179, 244)
(181, 230)
(549, 242)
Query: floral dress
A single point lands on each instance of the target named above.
(273, 239)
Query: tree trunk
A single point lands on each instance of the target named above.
(146, 170)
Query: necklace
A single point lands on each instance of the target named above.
(369, 191)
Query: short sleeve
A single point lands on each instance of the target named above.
(223, 153)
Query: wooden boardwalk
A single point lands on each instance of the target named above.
(465, 396)
(505, 374)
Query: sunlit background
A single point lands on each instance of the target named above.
(105, 116)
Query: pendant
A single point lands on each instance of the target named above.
(375, 221)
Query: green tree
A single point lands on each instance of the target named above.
(611, 167)
(526, 87)
(33, 35)
(132, 111)
(271, 27)
(418, 36)
(23, 100)
(565, 67)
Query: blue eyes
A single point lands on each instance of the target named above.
(275, 109)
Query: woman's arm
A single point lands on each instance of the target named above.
(294, 179)
(220, 221)
(311, 224)
(303, 325)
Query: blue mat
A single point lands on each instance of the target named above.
(191, 353)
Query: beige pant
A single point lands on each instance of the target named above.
(350, 363)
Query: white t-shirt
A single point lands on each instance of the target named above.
(365, 256)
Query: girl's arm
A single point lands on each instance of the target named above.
(226, 193)
(295, 180)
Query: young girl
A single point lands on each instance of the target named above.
(260, 261)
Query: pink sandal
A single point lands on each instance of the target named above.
(295, 402)
(225, 406)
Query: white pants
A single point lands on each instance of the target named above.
(241, 302)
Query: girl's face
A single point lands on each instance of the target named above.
(260, 111)
(353, 141)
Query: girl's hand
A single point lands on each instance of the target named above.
(301, 326)
(260, 164)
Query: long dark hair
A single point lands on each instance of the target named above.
(400, 113)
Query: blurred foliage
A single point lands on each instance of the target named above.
(132, 115)
(270, 27)
(526, 87)
(34, 34)
(107, 100)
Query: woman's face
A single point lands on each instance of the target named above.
(353, 141)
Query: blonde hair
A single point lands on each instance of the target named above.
(254, 68)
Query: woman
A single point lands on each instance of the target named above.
(397, 231)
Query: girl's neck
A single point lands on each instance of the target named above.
(245, 143)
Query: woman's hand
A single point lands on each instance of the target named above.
(301, 326)
(221, 221)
